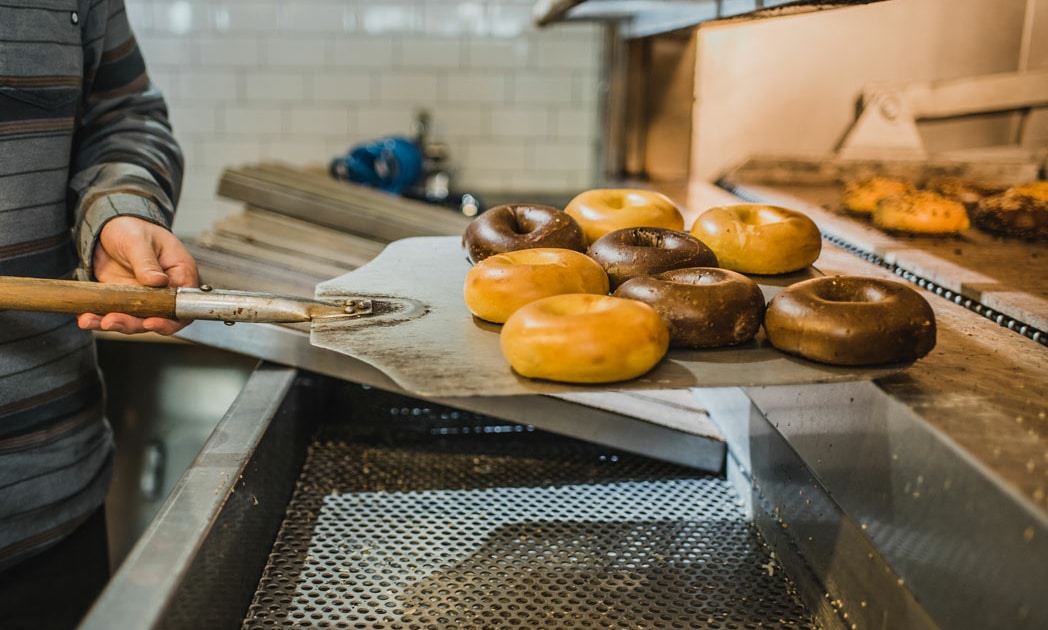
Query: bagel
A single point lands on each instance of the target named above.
(515, 226)
(584, 338)
(861, 196)
(758, 238)
(1020, 211)
(500, 284)
(643, 251)
(704, 307)
(604, 210)
(851, 320)
(921, 212)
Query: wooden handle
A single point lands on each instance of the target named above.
(68, 296)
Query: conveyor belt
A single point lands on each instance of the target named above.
(473, 523)
(1004, 315)
(974, 306)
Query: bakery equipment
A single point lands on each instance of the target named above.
(392, 164)
(403, 313)
(414, 167)
(318, 501)
(433, 346)
(1000, 279)
(205, 303)
(642, 18)
(330, 496)
(886, 124)
(360, 508)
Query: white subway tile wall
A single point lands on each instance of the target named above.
(304, 80)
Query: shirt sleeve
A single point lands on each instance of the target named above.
(126, 160)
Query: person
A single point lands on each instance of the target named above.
(90, 174)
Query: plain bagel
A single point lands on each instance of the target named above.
(500, 284)
(861, 196)
(604, 210)
(921, 212)
(583, 338)
(758, 238)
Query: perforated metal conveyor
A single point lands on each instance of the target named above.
(319, 503)
(414, 516)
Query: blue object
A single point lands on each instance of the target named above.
(393, 164)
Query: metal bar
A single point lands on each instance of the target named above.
(546, 12)
(977, 95)
(245, 306)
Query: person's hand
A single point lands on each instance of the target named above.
(134, 251)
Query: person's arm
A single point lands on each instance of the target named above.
(127, 174)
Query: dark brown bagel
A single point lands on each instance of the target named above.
(645, 251)
(514, 226)
(851, 320)
(1021, 215)
(704, 307)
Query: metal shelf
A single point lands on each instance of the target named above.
(643, 18)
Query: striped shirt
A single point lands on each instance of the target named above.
(84, 138)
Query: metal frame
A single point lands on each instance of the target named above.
(224, 512)
(902, 528)
(643, 18)
(887, 123)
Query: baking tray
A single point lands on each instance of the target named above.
(424, 338)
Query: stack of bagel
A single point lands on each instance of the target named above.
(943, 206)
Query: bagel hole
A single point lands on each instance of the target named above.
(694, 276)
(696, 280)
(648, 238)
(764, 216)
(522, 225)
(872, 294)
